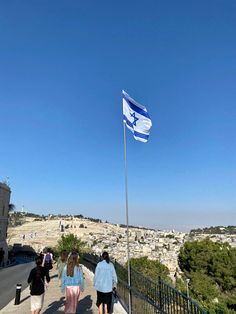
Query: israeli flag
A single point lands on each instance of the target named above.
(136, 118)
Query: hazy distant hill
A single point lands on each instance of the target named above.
(215, 230)
(19, 218)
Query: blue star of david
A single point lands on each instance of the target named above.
(135, 118)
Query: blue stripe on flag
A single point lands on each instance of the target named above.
(137, 134)
(141, 135)
(136, 108)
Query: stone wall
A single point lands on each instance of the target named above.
(5, 193)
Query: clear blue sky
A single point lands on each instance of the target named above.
(63, 65)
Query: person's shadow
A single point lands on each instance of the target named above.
(54, 306)
(85, 305)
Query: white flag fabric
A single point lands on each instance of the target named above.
(136, 118)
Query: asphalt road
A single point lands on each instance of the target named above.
(11, 276)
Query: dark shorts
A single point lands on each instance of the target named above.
(104, 298)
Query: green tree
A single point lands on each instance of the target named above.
(70, 242)
(216, 260)
(203, 287)
(211, 267)
(180, 285)
(151, 269)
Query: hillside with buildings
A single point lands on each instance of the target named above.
(39, 232)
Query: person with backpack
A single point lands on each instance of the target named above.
(38, 279)
(48, 260)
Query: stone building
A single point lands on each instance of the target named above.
(5, 193)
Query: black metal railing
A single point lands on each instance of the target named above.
(147, 296)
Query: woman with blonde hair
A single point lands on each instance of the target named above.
(72, 282)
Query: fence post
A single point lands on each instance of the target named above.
(130, 290)
(160, 293)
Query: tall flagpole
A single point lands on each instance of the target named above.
(127, 217)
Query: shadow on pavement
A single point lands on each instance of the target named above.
(85, 305)
(53, 276)
(54, 306)
(26, 298)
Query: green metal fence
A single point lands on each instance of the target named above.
(147, 296)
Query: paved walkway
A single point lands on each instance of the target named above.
(54, 299)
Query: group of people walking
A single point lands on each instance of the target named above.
(70, 274)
